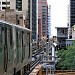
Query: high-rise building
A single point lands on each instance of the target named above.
(71, 17)
(49, 21)
(21, 8)
(42, 21)
(44, 18)
(39, 20)
(34, 19)
(72, 12)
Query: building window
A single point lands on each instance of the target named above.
(63, 31)
(18, 22)
(19, 5)
(3, 8)
(4, 3)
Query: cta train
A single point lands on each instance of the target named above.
(15, 49)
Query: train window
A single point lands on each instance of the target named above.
(27, 39)
(17, 44)
(5, 49)
(22, 38)
(28, 35)
(0, 40)
(11, 37)
(26, 42)
(23, 46)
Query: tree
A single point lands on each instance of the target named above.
(67, 58)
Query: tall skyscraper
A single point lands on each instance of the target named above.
(49, 21)
(71, 17)
(44, 18)
(34, 20)
(39, 20)
(72, 12)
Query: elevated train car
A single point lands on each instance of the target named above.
(15, 49)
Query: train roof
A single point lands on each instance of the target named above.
(14, 25)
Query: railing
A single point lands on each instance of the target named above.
(65, 72)
(62, 72)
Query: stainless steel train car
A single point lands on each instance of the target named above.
(15, 49)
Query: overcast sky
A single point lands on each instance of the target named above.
(59, 14)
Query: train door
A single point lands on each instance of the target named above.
(18, 45)
(23, 46)
(4, 35)
(20, 41)
(10, 47)
(10, 41)
(28, 45)
(1, 52)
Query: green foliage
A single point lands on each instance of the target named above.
(67, 58)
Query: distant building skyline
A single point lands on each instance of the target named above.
(39, 20)
(44, 18)
(49, 21)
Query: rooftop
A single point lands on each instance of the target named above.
(61, 27)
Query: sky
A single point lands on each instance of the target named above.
(59, 14)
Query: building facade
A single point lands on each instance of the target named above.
(72, 12)
(44, 18)
(49, 21)
(71, 17)
(62, 35)
(21, 11)
(4, 4)
(34, 19)
(39, 20)
(73, 32)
